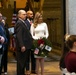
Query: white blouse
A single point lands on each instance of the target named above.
(40, 31)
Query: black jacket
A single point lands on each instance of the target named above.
(23, 36)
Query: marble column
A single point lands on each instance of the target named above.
(71, 17)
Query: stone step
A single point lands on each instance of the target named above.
(55, 54)
(56, 51)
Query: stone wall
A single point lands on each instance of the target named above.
(53, 17)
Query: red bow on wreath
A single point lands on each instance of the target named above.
(40, 41)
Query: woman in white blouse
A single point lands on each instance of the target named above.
(39, 30)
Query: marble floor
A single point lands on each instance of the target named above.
(51, 68)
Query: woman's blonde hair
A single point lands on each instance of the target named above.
(36, 18)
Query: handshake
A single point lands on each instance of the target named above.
(2, 39)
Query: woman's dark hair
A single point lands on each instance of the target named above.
(70, 41)
(64, 52)
(68, 44)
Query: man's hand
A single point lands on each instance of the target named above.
(2, 39)
(23, 48)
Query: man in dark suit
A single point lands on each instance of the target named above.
(5, 53)
(29, 22)
(23, 42)
(3, 40)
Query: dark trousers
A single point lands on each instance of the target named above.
(1, 64)
(5, 60)
(22, 57)
(28, 63)
(33, 62)
(1, 59)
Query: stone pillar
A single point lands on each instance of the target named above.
(67, 18)
(0, 4)
(71, 17)
(4, 3)
(21, 3)
(41, 5)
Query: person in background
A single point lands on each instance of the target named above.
(70, 58)
(62, 65)
(29, 22)
(3, 40)
(39, 30)
(23, 42)
(5, 55)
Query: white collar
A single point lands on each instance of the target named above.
(21, 20)
(28, 20)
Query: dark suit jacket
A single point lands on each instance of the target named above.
(2, 33)
(28, 24)
(23, 36)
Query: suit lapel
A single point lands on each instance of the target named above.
(24, 24)
(28, 24)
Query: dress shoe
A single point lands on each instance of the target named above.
(5, 73)
(33, 72)
(27, 73)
